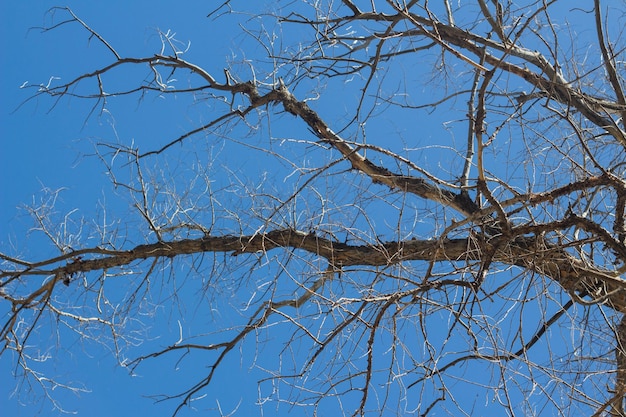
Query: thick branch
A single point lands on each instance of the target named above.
(528, 252)
(548, 80)
(418, 186)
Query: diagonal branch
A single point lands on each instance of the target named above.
(381, 175)
(609, 62)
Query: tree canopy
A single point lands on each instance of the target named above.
(385, 207)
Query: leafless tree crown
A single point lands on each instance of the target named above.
(430, 221)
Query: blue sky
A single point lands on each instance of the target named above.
(48, 148)
(53, 140)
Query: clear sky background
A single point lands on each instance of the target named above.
(46, 149)
(49, 149)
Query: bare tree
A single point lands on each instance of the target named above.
(387, 270)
